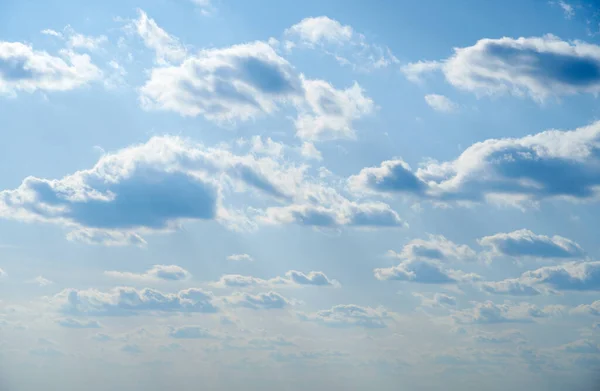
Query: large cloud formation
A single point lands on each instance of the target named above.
(156, 185)
(538, 67)
(24, 69)
(548, 165)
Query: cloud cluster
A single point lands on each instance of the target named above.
(262, 301)
(349, 315)
(157, 272)
(538, 67)
(124, 301)
(489, 313)
(23, 69)
(553, 164)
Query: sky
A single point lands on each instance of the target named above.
(282, 195)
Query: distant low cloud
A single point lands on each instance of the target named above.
(191, 332)
(291, 278)
(490, 313)
(572, 276)
(349, 315)
(437, 300)
(510, 287)
(524, 243)
(157, 272)
(125, 301)
(262, 301)
(78, 324)
(23, 69)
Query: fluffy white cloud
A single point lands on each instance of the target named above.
(489, 313)
(440, 103)
(78, 324)
(524, 243)
(167, 48)
(106, 237)
(435, 247)
(414, 71)
(262, 301)
(240, 257)
(537, 66)
(328, 112)
(124, 301)
(157, 272)
(350, 315)
(550, 164)
(342, 42)
(309, 151)
(238, 82)
(571, 276)
(588, 309)
(24, 69)
(423, 272)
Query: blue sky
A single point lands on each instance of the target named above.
(291, 195)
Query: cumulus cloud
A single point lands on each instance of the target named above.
(524, 243)
(342, 42)
(124, 301)
(39, 280)
(509, 287)
(349, 315)
(423, 272)
(235, 83)
(416, 70)
(23, 69)
(105, 237)
(240, 257)
(262, 301)
(551, 164)
(588, 309)
(435, 247)
(78, 324)
(167, 48)
(538, 67)
(489, 313)
(191, 332)
(309, 151)
(157, 272)
(328, 113)
(441, 103)
(571, 276)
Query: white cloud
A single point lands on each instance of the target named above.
(157, 273)
(240, 257)
(510, 287)
(87, 42)
(235, 83)
(262, 301)
(124, 301)
(207, 8)
(437, 300)
(191, 332)
(52, 33)
(435, 247)
(489, 313)
(414, 71)
(292, 278)
(538, 67)
(106, 237)
(267, 147)
(584, 346)
(567, 8)
(24, 69)
(309, 151)
(515, 171)
(524, 243)
(571, 276)
(588, 309)
(78, 324)
(440, 103)
(345, 45)
(423, 272)
(167, 48)
(328, 113)
(39, 280)
(350, 315)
